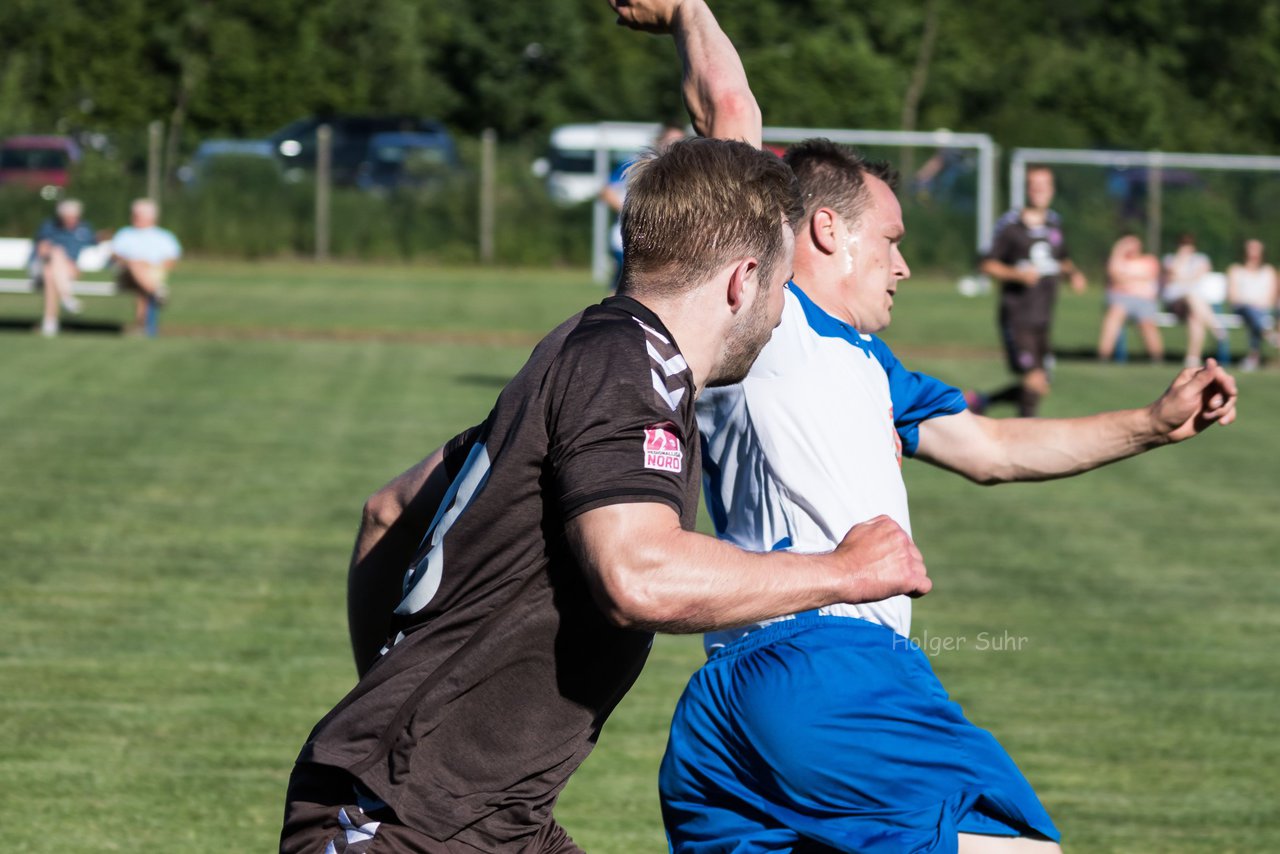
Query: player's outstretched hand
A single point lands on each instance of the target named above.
(650, 16)
(882, 561)
(1197, 398)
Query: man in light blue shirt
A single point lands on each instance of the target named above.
(145, 253)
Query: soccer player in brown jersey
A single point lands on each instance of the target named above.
(1028, 257)
(546, 545)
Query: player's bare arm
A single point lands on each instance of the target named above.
(394, 521)
(715, 86)
(1078, 281)
(648, 573)
(989, 451)
(612, 198)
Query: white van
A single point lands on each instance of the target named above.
(570, 165)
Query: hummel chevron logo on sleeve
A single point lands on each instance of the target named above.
(667, 367)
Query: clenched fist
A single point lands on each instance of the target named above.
(881, 561)
(651, 16)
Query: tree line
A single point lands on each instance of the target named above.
(1190, 75)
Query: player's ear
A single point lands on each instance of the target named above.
(822, 229)
(742, 284)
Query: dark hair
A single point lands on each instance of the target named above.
(834, 176)
(699, 205)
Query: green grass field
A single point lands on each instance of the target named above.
(177, 516)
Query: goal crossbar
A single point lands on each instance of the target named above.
(982, 144)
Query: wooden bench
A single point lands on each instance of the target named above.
(1213, 290)
(15, 252)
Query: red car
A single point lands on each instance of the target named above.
(39, 162)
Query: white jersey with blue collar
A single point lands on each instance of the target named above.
(811, 443)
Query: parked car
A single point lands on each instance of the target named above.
(570, 164)
(406, 161)
(39, 162)
(295, 143)
(213, 156)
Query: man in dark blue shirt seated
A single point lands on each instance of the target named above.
(58, 245)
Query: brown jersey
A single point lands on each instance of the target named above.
(503, 669)
(1042, 247)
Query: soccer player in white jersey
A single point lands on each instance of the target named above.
(827, 730)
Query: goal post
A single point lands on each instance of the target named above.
(980, 144)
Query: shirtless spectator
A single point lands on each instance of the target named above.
(1252, 293)
(57, 249)
(1184, 270)
(1133, 284)
(145, 253)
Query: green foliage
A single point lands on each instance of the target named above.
(1175, 74)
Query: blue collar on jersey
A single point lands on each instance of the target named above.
(828, 326)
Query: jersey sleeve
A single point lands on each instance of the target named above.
(1002, 247)
(618, 177)
(458, 448)
(613, 437)
(916, 397)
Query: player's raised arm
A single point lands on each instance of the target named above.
(989, 451)
(715, 86)
(647, 573)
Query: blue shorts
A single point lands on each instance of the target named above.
(832, 733)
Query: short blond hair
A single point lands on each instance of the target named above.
(699, 205)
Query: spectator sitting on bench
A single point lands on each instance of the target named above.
(1133, 282)
(56, 249)
(1252, 293)
(1185, 269)
(145, 253)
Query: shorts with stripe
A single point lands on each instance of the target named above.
(827, 733)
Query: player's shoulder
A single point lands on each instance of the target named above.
(623, 337)
(882, 353)
(616, 327)
(793, 340)
(1011, 218)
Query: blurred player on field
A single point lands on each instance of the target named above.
(614, 194)
(1028, 257)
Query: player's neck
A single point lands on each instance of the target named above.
(828, 298)
(1035, 216)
